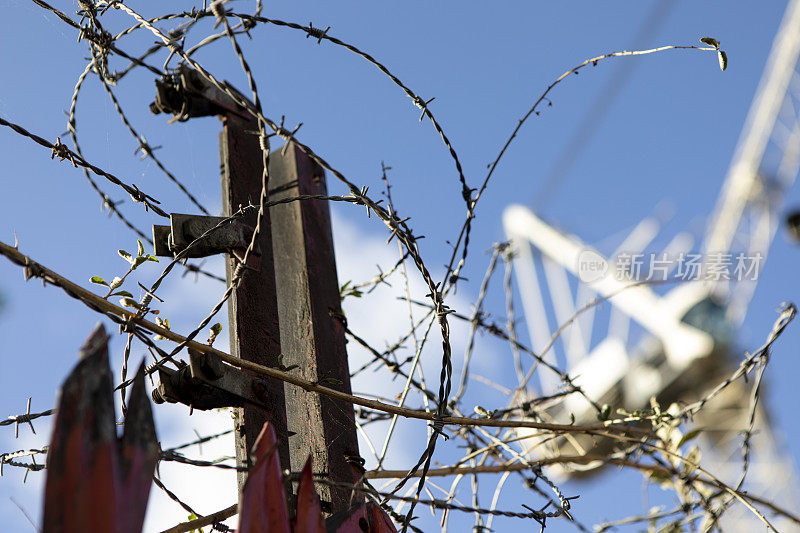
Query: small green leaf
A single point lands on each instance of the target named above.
(215, 329)
(723, 59)
(661, 478)
(152, 258)
(482, 411)
(346, 290)
(138, 262)
(123, 293)
(689, 436)
(604, 413)
(140, 247)
(710, 41)
(693, 457)
(116, 282)
(98, 280)
(164, 323)
(283, 367)
(343, 289)
(193, 516)
(129, 302)
(126, 256)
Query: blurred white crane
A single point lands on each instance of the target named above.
(675, 343)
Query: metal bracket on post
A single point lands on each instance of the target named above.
(186, 93)
(208, 383)
(185, 229)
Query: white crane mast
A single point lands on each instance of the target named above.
(749, 205)
(681, 348)
(743, 177)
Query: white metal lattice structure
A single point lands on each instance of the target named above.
(673, 343)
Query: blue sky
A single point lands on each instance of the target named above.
(666, 139)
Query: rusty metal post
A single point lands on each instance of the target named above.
(308, 299)
(252, 308)
(285, 305)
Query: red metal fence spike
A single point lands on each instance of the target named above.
(379, 521)
(366, 518)
(138, 456)
(79, 490)
(308, 518)
(263, 506)
(353, 521)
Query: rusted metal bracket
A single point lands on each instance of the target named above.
(178, 386)
(185, 229)
(208, 383)
(186, 93)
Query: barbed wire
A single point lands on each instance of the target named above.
(25, 418)
(139, 325)
(60, 151)
(487, 452)
(9, 459)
